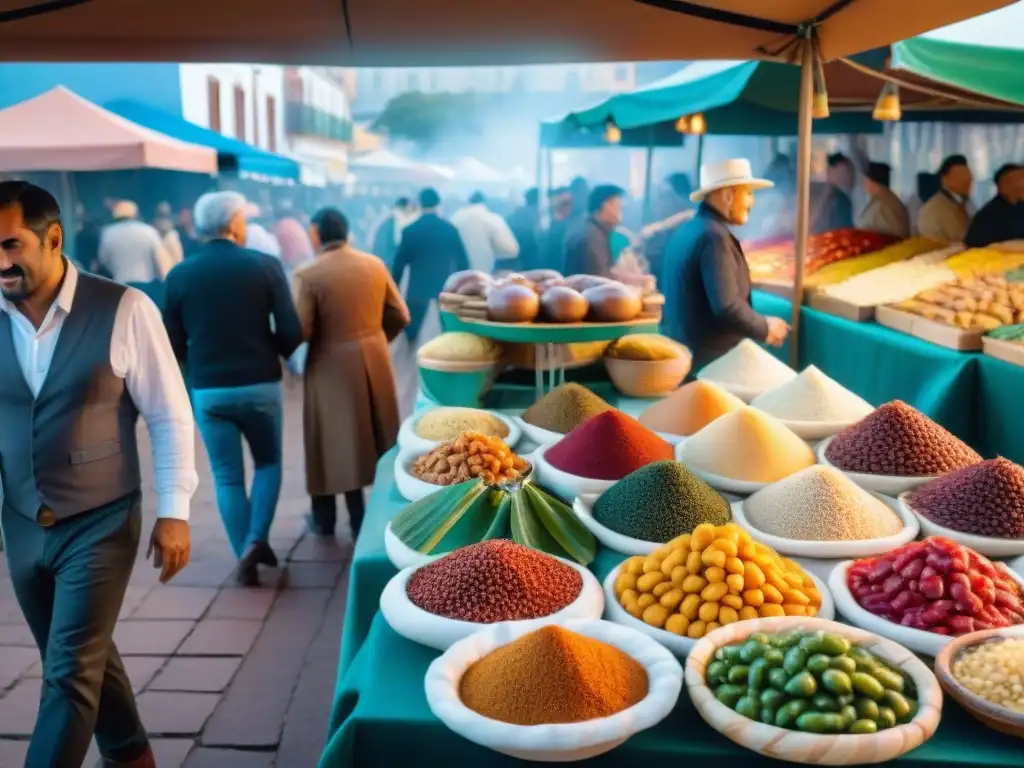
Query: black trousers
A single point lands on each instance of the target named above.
(325, 511)
(70, 581)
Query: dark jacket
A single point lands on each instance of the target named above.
(995, 222)
(525, 225)
(432, 250)
(707, 289)
(553, 245)
(230, 317)
(588, 249)
(831, 209)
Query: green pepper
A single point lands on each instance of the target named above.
(784, 641)
(718, 672)
(819, 722)
(774, 657)
(758, 676)
(890, 679)
(811, 642)
(795, 660)
(720, 654)
(897, 704)
(789, 712)
(730, 694)
(732, 653)
(864, 727)
(864, 660)
(834, 645)
(749, 707)
(849, 715)
(773, 699)
(866, 685)
(867, 709)
(759, 637)
(886, 718)
(777, 678)
(843, 663)
(738, 674)
(767, 716)
(824, 702)
(751, 650)
(802, 685)
(818, 663)
(837, 682)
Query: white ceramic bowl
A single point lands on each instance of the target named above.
(402, 555)
(425, 628)
(583, 508)
(681, 646)
(410, 487)
(562, 483)
(816, 430)
(916, 640)
(815, 749)
(562, 742)
(990, 546)
(1017, 566)
(537, 435)
(884, 484)
(408, 439)
(834, 550)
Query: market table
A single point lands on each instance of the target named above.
(380, 714)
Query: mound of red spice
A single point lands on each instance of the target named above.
(898, 440)
(608, 446)
(985, 499)
(494, 581)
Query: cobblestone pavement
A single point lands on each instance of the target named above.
(225, 676)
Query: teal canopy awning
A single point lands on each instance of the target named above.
(995, 72)
(233, 155)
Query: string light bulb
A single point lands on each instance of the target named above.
(888, 107)
(612, 134)
(683, 124)
(698, 126)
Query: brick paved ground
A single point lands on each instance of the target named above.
(225, 676)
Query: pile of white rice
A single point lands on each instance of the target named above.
(813, 397)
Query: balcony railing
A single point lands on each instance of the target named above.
(305, 120)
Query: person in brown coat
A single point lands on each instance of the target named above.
(350, 309)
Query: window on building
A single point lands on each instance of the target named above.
(271, 124)
(414, 81)
(239, 113)
(213, 102)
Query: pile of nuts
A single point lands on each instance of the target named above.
(470, 455)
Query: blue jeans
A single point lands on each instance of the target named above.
(225, 416)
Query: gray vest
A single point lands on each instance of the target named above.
(72, 448)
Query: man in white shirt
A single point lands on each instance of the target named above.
(485, 234)
(132, 252)
(257, 237)
(81, 358)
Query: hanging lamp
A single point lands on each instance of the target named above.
(698, 126)
(888, 107)
(612, 134)
(683, 124)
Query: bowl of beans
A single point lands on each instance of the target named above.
(813, 691)
(984, 672)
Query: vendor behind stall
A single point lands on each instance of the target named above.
(588, 248)
(706, 279)
(885, 212)
(1002, 217)
(948, 212)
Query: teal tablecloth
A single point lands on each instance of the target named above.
(380, 715)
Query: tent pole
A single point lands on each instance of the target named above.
(803, 194)
(541, 194)
(647, 177)
(700, 157)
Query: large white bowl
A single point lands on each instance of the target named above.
(410, 487)
(990, 546)
(681, 646)
(537, 435)
(884, 484)
(562, 742)
(916, 640)
(813, 431)
(408, 439)
(1017, 566)
(425, 628)
(815, 749)
(402, 555)
(834, 550)
(583, 508)
(562, 483)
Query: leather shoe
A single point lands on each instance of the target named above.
(247, 575)
(145, 760)
(317, 528)
(259, 553)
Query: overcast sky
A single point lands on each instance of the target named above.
(1003, 28)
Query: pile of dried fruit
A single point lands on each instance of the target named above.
(811, 681)
(470, 455)
(985, 499)
(712, 577)
(939, 586)
(982, 303)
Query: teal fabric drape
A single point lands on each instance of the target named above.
(988, 70)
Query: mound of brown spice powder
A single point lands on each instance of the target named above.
(494, 581)
(553, 675)
(897, 440)
(985, 499)
(564, 408)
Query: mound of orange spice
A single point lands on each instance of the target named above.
(553, 675)
(472, 454)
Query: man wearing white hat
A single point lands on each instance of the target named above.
(705, 279)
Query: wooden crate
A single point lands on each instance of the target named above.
(1008, 351)
(840, 308)
(929, 330)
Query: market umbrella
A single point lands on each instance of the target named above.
(454, 32)
(991, 71)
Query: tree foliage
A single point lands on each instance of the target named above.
(430, 118)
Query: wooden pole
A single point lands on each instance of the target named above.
(803, 194)
(700, 158)
(647, 179)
